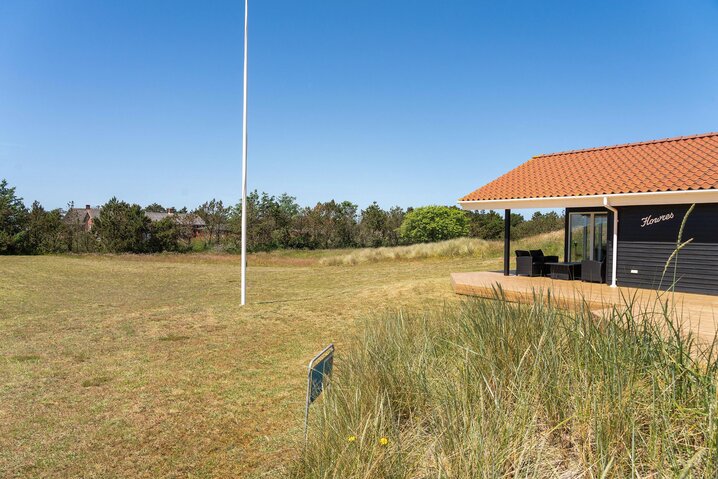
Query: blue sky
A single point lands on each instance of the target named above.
(402, 102)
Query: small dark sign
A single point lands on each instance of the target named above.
(320, 369)
(318, 375)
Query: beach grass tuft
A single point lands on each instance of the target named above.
(493, 389)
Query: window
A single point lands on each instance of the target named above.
(587, 236)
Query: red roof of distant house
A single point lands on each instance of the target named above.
(673, 164)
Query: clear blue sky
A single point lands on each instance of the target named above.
(403, 102)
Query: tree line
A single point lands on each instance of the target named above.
(274, 222)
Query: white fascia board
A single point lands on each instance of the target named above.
(622, 199)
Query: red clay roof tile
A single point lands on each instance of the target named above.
(673, 164)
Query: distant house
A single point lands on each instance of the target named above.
(185, 219)
(84, 218)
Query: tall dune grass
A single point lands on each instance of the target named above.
(492, 389)
(551, 243)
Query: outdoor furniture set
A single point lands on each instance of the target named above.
(534, 263)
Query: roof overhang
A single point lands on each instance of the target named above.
(621, 199)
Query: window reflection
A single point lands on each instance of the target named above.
(588, 236)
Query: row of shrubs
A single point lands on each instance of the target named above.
(274, 223)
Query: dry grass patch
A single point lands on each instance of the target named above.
(220, 396)
(455, 248)
(95, 382)
(173, 337)
(21, 358)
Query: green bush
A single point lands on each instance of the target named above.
(13, 218)
(433, 223)
(122, 227)
(198, 245)
(46, 232)
(538, 224)
(164, 235)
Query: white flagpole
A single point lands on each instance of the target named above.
(244, 165)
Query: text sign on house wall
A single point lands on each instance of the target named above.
(661, 223)
(651, 220)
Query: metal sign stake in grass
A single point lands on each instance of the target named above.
(320, 369)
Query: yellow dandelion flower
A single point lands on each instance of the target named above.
(384, 441)
(351, 438)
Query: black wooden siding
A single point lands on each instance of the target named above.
(647, 249)
(696, 272)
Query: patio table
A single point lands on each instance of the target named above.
(565, 270)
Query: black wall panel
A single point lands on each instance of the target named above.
(647, 236)
(662, 223)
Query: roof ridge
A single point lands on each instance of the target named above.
(625, 145)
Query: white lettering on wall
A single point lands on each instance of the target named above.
(650, 220)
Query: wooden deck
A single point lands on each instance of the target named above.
(698, 312)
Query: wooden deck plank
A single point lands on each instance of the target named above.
(698, 313)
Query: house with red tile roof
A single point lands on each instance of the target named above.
(641, 197)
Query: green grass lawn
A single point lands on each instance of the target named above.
(146, 366)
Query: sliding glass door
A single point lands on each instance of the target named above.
(579, 236)
(588, 236)
(600, 236)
